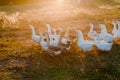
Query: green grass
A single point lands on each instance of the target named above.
(22, 59)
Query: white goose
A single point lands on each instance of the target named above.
(105, 35)
(102, 45)
(57, 36)
(91, 34)
(118, 31)
(54, 38)
(52, 42)
(84, 45)
(44, 44)
(35, 37)
(65, 41)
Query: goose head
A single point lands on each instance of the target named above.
(78, 32)
(80, 35)
(91, 25)
(54, 30)
(113, 23)
(103, 28)
(31, 27)
(60, 29)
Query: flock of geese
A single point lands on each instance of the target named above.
(54, 42)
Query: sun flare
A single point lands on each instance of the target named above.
(59, 1)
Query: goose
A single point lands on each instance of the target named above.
(102, 45)
(118, 31)
(35, 37)
(44, 44)
(91, 33)
(104, 34)
(65, 41)
(55, 39)
(57, 36)
(84, 45)
(54, 42)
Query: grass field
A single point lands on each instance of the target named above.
(22, 59)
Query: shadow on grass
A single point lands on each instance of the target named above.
(73, 65)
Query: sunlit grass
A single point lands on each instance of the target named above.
(22, 59)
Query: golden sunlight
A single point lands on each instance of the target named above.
(60, 1)
(59, 39)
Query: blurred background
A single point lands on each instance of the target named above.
(22, 59)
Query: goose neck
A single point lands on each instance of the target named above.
(103, 29)
(47, 37)
(41, 37)
(33, 31)
(55, 32)
(119, 27)
(80, 37)
(49, 28)
(114, 26)
(91, 29)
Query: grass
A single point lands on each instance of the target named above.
(22, 59)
